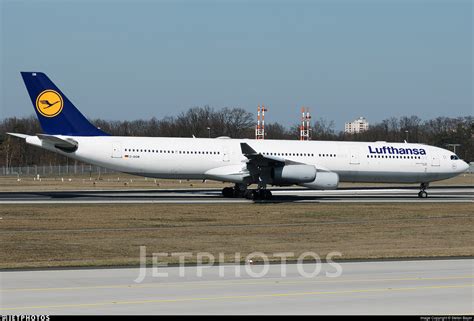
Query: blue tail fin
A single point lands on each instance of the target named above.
(57, 115)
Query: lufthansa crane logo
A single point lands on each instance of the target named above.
(49, 103)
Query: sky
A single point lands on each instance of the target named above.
(125, 60)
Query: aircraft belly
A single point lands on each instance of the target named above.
(391, 177)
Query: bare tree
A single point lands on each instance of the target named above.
(238, 123)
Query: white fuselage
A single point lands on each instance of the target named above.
(192, 158)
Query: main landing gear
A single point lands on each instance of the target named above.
(258, 194)
(240, 190)
(228, 192)
(423, 193)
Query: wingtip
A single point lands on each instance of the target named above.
(246, 149)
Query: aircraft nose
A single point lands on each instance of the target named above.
(460, 166)
(464, 166)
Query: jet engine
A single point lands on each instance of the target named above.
(293, 174)
(323, 180)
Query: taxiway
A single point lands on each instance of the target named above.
(426, 287)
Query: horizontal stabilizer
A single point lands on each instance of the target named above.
(19, 135)
(65, 144)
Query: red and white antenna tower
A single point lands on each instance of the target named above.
(305, 127)
(260, 129)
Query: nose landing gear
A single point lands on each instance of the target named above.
(423, 193)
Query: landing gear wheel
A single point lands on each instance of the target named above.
(255, 195)
(266, 194)
(248, 194)
(422, 194)
(258, 194)
(228, 192)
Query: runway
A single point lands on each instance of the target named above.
(428, 287)
(205, 196)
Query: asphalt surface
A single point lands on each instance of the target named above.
(428, 287)
(204, 196)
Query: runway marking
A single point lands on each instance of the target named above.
(219, 283)
(238, 297)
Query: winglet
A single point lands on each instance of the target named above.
(247, 150)
(253, 155)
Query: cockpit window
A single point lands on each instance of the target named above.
(454, 157)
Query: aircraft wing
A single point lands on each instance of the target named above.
(259, 159)
(266, 168)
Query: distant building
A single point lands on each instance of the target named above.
(357, 126)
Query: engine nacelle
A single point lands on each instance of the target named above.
(293, 174)
(324, 180)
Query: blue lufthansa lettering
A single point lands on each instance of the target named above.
(394, 150)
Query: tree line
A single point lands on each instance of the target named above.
(238, 123)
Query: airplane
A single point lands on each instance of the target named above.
(315, 164)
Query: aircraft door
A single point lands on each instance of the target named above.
(435, 160)
(116, 151)
(354, 157)
(225, 154)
